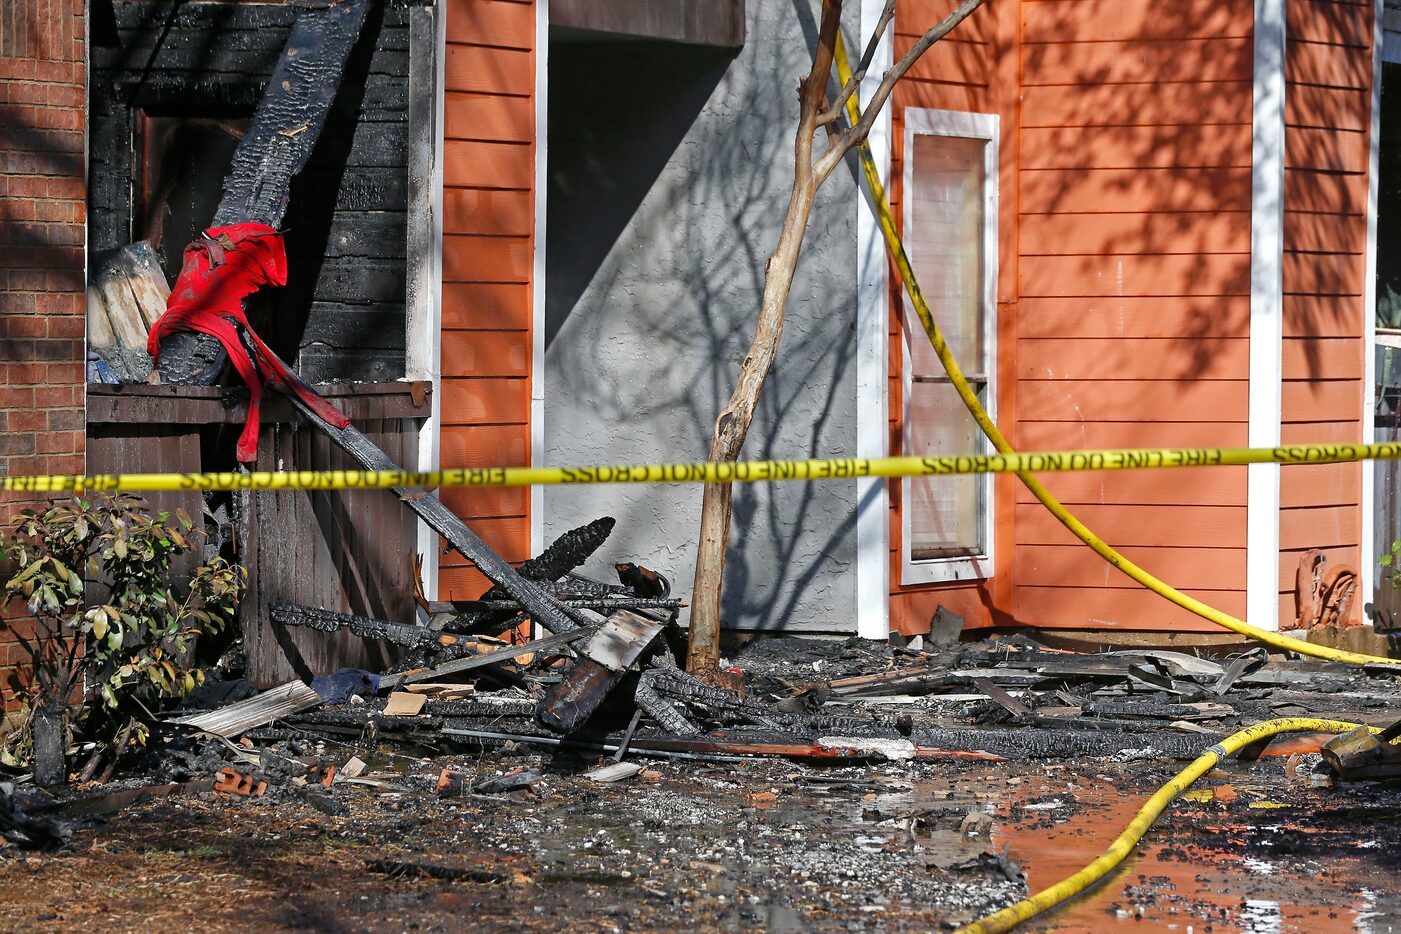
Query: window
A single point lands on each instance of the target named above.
(950, 218)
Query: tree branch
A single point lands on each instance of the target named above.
(834, 112)
(853, 136)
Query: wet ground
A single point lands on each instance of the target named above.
(759, 845)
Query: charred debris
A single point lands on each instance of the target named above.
(606, 696)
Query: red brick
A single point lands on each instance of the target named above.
(66, 419)
(28, 420)
(17, 303)
(59, 442)
(68, 326)
(59, 303)
(68, 280)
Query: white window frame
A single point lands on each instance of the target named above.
(928, 122)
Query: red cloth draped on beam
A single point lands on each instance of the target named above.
(222, 268)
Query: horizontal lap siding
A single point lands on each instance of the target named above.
(1328, 70)
(1133, 298)
(488, 263)
(958, 73)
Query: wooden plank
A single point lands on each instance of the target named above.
(1160, 400)
(490, 71)
(1333, 23)
(488, 400)
(500, 23)
(492, 117)
(1130, 190)
(1078, 566)
(1308, 190)
(949, 62)
(1329, 358)
(486, 306)
(488, 165)
(1330, 108)
(1135, 609)
(1323, 316)
(485, 353)
(911, 92)
(1132, 317)
(1346, 431)
(1320, 484)
(462, 583)
(1135, 275)
(487, 503)
(1188, 103)
(1120, 147)
(1158, 526)
(1101, 20)
(1332, 66)
(1202, 486)
(1319, 526)
(1326, 149)
(1143, 359)
(915, 17)
(1323, 274)
(487, 259)
(1163, 233)
(1324, 233)
(1101, 63)
(508, 537)
(1049, 436)
(1320, 400)
(478, 211)
(466, 446)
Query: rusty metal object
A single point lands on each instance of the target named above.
(1323, 597)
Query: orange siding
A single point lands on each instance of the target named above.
(1134, 298)
(961, 73)
(1328, 70)
(488, 269)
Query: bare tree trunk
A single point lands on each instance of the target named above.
(732, 427)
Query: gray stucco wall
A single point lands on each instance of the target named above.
(661, 215)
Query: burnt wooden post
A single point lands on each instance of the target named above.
(279, 141)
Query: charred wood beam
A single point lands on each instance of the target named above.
(598, 604)
(290, 614)
(567, 552)
(539, 604)
(457, 666)
(541, 607)
(280, 138)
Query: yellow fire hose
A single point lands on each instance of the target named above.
(1123, 845)
(902, 263)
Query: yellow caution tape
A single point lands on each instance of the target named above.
(831, 468)
(999, 441)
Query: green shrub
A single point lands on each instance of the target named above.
(112, 630)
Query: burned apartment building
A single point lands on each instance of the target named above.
(489, 264)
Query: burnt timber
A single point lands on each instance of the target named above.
(276, 147)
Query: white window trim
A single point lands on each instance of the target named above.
(873, 361)
(1266, 313)
(928, 122)
(1368, 565)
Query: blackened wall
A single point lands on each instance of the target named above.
(184, 76)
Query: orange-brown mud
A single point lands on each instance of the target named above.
(766, 846)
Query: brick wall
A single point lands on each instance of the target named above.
(42, 236)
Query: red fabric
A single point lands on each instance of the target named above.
(222, 268)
